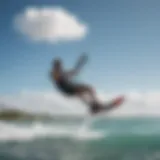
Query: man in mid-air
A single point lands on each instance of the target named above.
(64, 82)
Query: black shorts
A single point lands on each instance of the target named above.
(68, 88)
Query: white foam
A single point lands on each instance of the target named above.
(88, 135)
(84, 133)
(10, 132)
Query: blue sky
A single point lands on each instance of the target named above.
(122, 43)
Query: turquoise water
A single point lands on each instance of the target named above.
(104, 139)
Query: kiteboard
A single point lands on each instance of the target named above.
(96, 108)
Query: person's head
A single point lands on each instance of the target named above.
(57, 63)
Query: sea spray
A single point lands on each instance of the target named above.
(26, 132)
(85, 131)
(124, 141)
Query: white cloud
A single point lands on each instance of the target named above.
(48, 102)
(137, 103)
(50, 24)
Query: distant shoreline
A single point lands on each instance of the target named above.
(13, 114)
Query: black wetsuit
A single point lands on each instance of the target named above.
(66, 86)
(70, 88)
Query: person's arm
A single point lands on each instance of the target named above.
(81, 61)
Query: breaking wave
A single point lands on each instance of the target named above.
(12, 131)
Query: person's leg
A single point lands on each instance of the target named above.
(94, 106)
(85, 92)
(84, 99)
(82, 89)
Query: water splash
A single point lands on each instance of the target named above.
(15, 132)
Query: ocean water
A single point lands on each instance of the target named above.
(98, 139)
